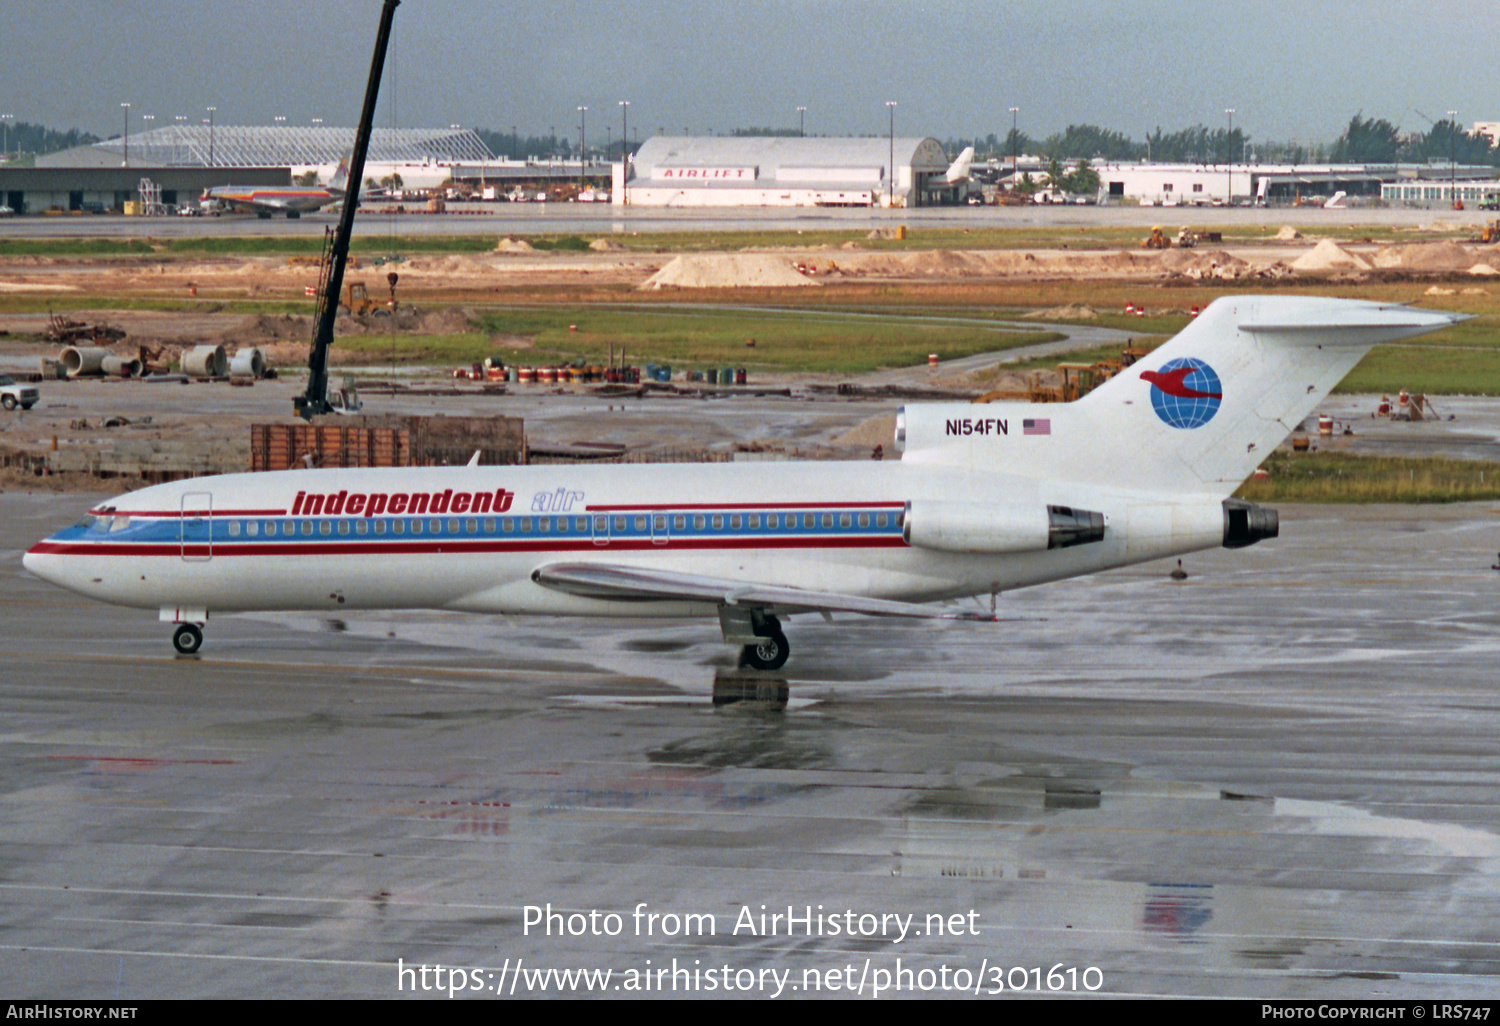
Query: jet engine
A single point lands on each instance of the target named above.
(980, 528)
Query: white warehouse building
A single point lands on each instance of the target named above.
(1185, 185)
(759, 171)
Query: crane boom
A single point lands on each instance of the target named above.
(315, 400)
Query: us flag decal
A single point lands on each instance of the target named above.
(1039, 426)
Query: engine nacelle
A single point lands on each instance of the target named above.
(1245, 523)
(994, 530)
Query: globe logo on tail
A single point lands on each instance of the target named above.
(1185, 393)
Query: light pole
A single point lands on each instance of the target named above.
(583, 142)
(801, 122)
(146, 135)
(280, 120)
(1452, 166)
(125, 109)
(1229, 160)
(625, 153)
(1015, 141)
(890, 190)
(5, 119)
(211, 135)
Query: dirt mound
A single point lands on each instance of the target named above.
(728, 271)
(1287, 234)
(1071, 312)
(1202, 259)
(605, 246)
(1328, 256)
(450, 265)
(510, 244)
(265, 329)
(1425, 256)
(875, 431)
(1483, 270)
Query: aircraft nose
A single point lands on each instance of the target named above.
(39, 561)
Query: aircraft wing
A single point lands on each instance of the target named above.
(633, 583)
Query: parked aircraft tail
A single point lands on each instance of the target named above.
(959, 170)
(340, 180)
(1197, 415)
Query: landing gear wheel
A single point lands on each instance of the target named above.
(187, 639)
(768, 653)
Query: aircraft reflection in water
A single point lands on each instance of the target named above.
(984, 499)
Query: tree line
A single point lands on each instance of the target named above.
(1364, 141)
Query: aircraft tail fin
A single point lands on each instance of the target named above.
(1197, 415)
(959, 170)
(1207, 408)
(340, 180)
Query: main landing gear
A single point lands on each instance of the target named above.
(769, 650)
(188, 638)
(763, 645)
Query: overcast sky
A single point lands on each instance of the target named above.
(1292, 71)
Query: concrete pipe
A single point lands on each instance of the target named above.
(83, 361)
(205, 362)
(247, 363)
(120, 366)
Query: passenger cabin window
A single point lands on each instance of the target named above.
(679, 523)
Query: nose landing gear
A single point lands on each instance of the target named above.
(188, 638)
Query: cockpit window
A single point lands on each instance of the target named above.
(118, 523)
(89, 520)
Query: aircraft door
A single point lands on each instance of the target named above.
(195, 527)
(600, 527)
(661, 529)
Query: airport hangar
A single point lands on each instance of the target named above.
(184, 160)
(771, 171)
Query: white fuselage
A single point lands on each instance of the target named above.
(470, 538)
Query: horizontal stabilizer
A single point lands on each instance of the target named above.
(633, 583)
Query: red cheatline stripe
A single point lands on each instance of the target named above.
(192, 514)
(376, 546)
(768, 506)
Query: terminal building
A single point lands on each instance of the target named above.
(1182, 185)
(761, 171)
(183, 160)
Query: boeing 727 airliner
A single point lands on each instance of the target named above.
(984, 499)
